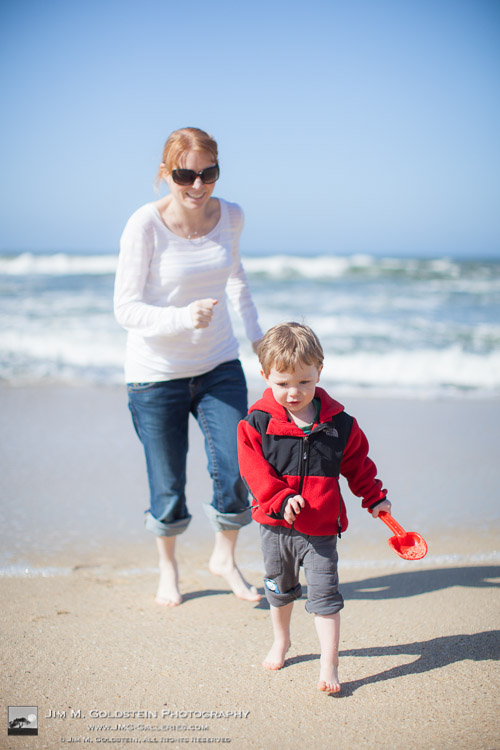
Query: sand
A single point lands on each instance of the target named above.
(85, 643)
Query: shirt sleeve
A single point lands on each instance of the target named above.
(131, 310)
(238, 288)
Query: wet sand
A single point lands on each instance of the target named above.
(88, 646)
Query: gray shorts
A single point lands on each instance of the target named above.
(285, 551)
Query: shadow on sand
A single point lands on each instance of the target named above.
(413, 583)
(435, 653)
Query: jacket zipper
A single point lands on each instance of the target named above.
(303, 473)
(303, 465)
(304, 461)
(340, 510)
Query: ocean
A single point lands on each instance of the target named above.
(406, 327)
(413, 329)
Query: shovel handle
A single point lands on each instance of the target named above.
(391, 523)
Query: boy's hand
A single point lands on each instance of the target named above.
(293, 508)
(386, 505)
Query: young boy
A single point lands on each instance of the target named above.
(292, 447)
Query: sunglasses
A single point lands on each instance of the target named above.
(188, 176)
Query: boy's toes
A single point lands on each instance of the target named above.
(327, 687)
(272, 664)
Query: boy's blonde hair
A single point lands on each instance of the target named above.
(286, 344)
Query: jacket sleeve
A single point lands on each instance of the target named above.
(360, 471)
(269, 491)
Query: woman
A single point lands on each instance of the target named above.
(179, 261)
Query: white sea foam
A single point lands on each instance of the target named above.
(405, 326)
(451, 367)
(392, 562)
(420, 373)
(57, 264)
(29, 571)
(325, 267)
(318, 267)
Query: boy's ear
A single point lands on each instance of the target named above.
(263, 375)
(319, 372)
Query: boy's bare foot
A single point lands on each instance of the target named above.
(276, 656)
(329, 679)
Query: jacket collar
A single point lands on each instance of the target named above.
(281, 424)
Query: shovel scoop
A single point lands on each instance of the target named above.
(407, 544)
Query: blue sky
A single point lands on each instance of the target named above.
(357, 126)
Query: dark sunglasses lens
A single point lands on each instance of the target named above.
(210, 174)
(188, 176)
(183, 176)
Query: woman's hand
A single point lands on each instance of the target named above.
(255, 345)
(201, 312)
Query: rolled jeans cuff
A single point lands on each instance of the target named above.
(227, 521)
(160, 528)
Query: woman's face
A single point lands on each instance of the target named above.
(196, 196)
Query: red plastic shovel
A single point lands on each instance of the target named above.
(407, 544)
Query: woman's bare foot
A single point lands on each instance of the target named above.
(222, 563)
(168, 594)
(329, 679)
(232, 574)
(276, 656)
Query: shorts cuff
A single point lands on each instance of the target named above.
(323, 609)
(280, 600)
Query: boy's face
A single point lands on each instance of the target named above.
(294, 389)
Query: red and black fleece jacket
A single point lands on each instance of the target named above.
(277, 460)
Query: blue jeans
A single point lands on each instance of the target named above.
(160, 412)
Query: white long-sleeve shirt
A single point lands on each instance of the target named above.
(159, 274)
